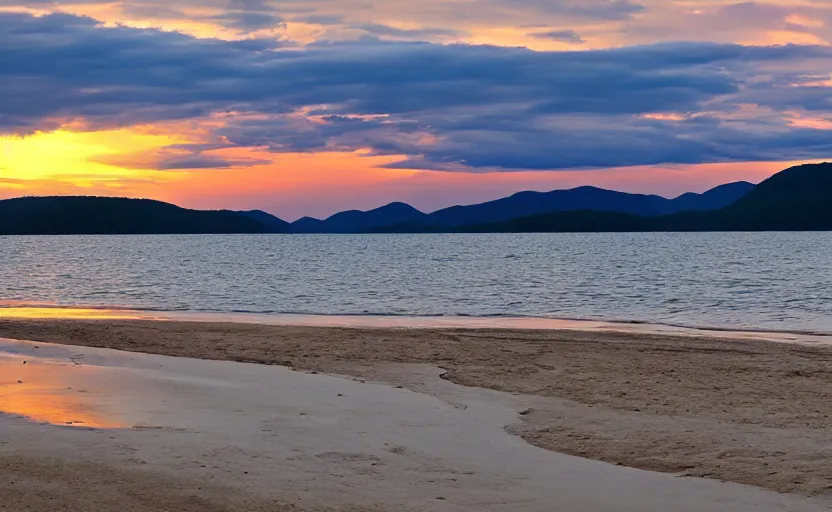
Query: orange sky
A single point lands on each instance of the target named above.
(126, 161)
(314, 184)
(321, 184)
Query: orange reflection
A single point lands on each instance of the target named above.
(53, 313)
(39, 392)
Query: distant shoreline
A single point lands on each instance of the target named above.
(795, 199)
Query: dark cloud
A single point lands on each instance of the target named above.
(566, 36)
(248, 21)
(204, 162)
(478, 9)
(249, 15)
(611, 142)
(332, 133)
(143, 10)
(427, 33)
(321, 19)
(174, 158)
(442, 105)
(593, 9)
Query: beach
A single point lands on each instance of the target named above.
(746, 412)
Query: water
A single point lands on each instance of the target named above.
(771, 281)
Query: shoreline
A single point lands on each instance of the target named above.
(743, 411)
(30, 311)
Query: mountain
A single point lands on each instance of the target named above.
(400, 217)
(271, 223)
(525, 204)
(307, 225)
(112, 215)
(355, 221)
(714, 199)
(586, 198)
(797, 199)
(528, 204)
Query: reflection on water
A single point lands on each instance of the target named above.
(46, 312)
(49, 393)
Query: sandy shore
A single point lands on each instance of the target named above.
(748, 412)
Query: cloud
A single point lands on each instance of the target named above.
(61, 67)
(565, 36)
(420, 33)
(179, 157)
(248, 21)
(748, 22)
(624, 142)
(602, 23)
(594, 9)
(458, 107)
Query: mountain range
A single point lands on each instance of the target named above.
(403, 217)
(797, 199)
(794, 199)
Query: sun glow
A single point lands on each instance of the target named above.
(72, 157)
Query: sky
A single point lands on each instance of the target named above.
(309, 107)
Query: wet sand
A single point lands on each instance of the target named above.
(146, 432)
(23, 311)
(750, 412)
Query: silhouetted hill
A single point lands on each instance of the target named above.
(355, 221)
(271, 223)
(307, 225)
(400, 217)
(714, 199)
(525, 204)
(797, 199)
(586, 198)
(112, 215)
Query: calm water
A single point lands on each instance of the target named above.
(778, 281)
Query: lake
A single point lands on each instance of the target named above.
(771, 281)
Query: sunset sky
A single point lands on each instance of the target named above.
(308, 107)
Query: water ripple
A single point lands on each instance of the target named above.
(777, 281)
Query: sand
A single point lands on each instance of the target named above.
(740, 411)
(159, 433)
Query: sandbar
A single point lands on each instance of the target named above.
(446, 401)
